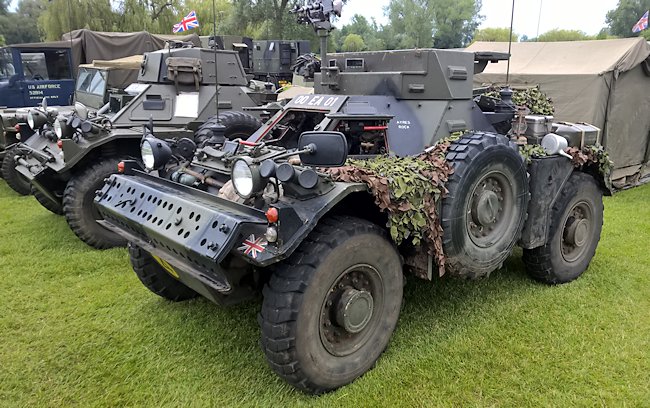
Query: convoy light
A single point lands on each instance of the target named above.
(61, 129)
(246, 178)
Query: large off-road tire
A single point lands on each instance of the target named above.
(47, 203)
(576, 223)
(156, 278)
(79, 208)
(309, 340)
(484, 213)
(14, 179)
(238, 125)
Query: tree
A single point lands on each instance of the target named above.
(368, 31)
(455, 22)
(625, 15)
(411, 24)
(61, 17)
(2, 40)
(19, 26)
(495, 35)
(353, 42)
(4, 7)
(563, 35)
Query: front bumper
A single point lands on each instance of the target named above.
(191, 230)
(35, 155)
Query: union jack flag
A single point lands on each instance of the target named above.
(187, 23)
(642, 24)
(253, 246)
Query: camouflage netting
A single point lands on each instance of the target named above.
(409, 189)
(533, 98)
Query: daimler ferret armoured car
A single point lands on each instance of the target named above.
(99, 88)
(265, 214)
(175, 90)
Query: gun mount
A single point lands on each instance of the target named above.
(318, 14)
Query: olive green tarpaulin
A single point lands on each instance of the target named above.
(96, 45)
(605, 83)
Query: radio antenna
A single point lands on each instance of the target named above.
(216, 70)
(512, 21)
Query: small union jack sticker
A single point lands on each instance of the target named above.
(253, 246)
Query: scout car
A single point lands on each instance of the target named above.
(268, 214)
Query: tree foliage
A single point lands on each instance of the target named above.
(411, 23)
(624, 17)
(455, 22)
(19, 26)
(495, 35)
(563, 35)
(439, 23)
(353, 42)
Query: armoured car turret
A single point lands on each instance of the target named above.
(282, 214)
(175, 90)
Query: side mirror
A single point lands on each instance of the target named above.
(326, 149)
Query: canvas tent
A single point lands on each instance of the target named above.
(605, 83)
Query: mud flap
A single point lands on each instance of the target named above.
(547, 177)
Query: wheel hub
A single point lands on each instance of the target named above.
(354, 310)
(577, 232)
(486, 208)
(347, 314)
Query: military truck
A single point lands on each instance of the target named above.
(175, 89)
(275, 58)
(265, 215)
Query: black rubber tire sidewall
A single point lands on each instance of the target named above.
(463, 257)
(317, 363)
(299, 286)
(47, 203)
(78, 205)
(14, 179)
(155, 278)
(546, 263)
(237, 125)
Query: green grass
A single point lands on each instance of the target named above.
(78, 328)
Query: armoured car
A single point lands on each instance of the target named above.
(97, 85)
(175, 90)
(264, 214)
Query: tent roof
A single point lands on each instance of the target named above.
(568, 57)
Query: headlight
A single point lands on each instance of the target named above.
(36, 119)
(246, 178)
(30, 120)
(155, 153)
(147, 155)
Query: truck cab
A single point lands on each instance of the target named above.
(31, 72)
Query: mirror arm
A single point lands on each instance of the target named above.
(310, 148)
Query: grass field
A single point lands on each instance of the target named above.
(78, 328)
